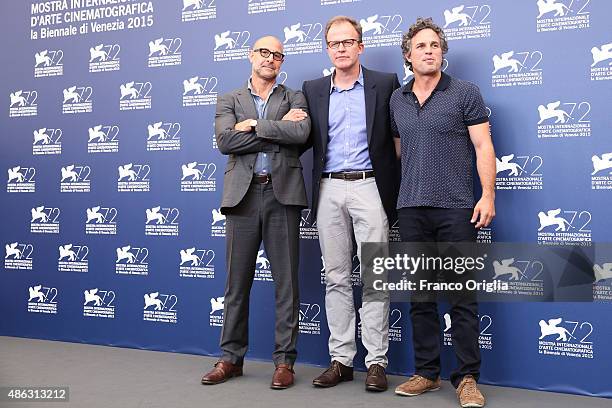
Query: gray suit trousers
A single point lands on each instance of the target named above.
(259, 216)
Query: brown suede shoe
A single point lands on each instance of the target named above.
(468, 393)
(223, 371)
(376, 380)
(416, 385)
(283, 377)
(336, 373)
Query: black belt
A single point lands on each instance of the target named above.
(350, 175)
(261, 178)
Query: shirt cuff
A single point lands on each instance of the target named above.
(476, 121)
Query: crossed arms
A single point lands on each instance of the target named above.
(241, 138)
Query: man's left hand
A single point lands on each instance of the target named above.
(244, 126)
(484, 211)
(295, 115)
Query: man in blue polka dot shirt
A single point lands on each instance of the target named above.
(439, 122)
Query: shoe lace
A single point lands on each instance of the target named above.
(334, 366)
(416, 379)
(375, 369)
(469, 388)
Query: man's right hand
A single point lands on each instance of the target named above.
(295, 115)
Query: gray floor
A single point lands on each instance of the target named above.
(101, 376)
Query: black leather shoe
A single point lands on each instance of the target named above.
(376, 380)
(336, 373)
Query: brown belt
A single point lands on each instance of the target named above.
(350, 175)
(261, 179)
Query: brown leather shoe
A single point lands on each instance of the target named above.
(283, 377)
(336, 373)
(376, 380)
(223, 371)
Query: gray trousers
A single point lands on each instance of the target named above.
(259, 216)
(344, 207)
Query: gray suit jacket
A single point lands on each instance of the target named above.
(282, 139)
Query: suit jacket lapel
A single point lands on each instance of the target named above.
(274, 103)
(243, 95)
(323, 112)
(370, 101)
(244, 98)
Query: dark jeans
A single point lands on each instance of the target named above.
(259, 216)
(430, 224)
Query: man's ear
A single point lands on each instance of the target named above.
(362, 48)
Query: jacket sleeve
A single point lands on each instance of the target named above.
(309, 140)
(232, 141)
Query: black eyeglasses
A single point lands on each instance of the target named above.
(334, 45)
(264, 52)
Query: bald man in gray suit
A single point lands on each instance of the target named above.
(261, 127)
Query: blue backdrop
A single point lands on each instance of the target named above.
(113, 180)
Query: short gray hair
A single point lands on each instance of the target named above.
(421, 24)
